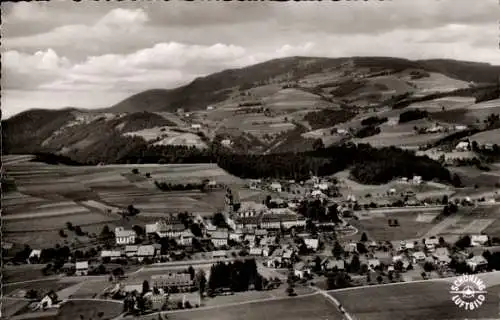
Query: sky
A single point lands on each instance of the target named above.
(93, 54)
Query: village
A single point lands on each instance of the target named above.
(301, 236)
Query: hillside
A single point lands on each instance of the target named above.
(293, 104)
(220, 86)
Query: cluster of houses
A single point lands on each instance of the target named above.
(311, 188)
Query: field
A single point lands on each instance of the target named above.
(300, 308)
(86, 309)
(411, 226)
(413, 301)
(490, 136)
(48, 196)
(471, 176)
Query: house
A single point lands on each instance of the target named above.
(261, 232)
(397, 258)
(34, 255)
(186, 238)
(318, 194)
(151, 228)
(123, 236)
(323, 186)
(351, 247)
(442, 256)
(292, 221)
(131, 251)
(111, 254)
(255, 252)
(147, 251)
(341, 131)
(47, 302)
(266, 251)
(462, 146)
(418, 256)
(68, 268)
(236, 236)
(170, 227)
(276, 186)
(248, 222)
(219, 238)
(219, 254)
(82, 268)
(460, 127)
(479, 240)
(431, 243)
(196, 126)
(251, 209)
(287, 255)
(311, 243)
(270, 222)
(332, 264)
(250, 238)
(373, 263)
(477, 263)
(210, 108)
(168, 280)
(417, 180)
(226, 142)
(300, 270)
(157, 300)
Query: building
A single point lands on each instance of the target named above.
(219, 254)
(418, 256)
(479, 240)
(442, 256)
(292, 221)
(251, 209)
(255, 252)
(477, 263)
(169, 280)
(186, 238)
(373, 263)
(131, 251)
(82, 268)
(248, 222)
(462, 146)
(34, 255)
(226, 142)
(351, 247)
(123, 236)
(147, 251)
(236, 236)
(219, 238)
(271, 222)
(250, 238)
(332, 264)
(460, 127)
(300, 270)
(47, 302)
(312, 243)
(276, 187)
(169, 228)
(196, 126)
(111, 254)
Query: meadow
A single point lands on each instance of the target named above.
(413, 301)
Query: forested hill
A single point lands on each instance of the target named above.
(367, 164)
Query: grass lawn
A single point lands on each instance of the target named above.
(429, 300)
(306, 308)
(378, 228)
(102, 310)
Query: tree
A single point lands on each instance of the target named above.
(317, 264)
(463, 242)
(337, 250)
(62, 234)
(135, 171)
(364, 237)
(191, 272)
(355, 265)
(380, 279)
(442, 243)
(145, 287)
(444, 200)
(428, 266)
(69, 225)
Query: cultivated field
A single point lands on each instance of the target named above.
(490, 136)
(88, 309)
(413, 301)
(48, 196)
(306, 308)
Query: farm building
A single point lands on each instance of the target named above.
(131, 251)
(462, 146)
(255, 251)
(479, 240)
(477, 263)
(329, 264)
(48, 301)
(111, 254)
(276, 186)
(171, 228)
(82, 268)
(219, 254)
(123, 236)
(226, 142)
(250, 238)
(251, 209)
(196, 126)
(418, 256)
(179, 280)
(373, 263)
(351, 247)
(186, 238)
(247, 222)
(34, 255)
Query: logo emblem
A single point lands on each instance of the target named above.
(468, 292)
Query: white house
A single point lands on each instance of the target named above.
(146, 251)
(462, 146)
(300, 270)
(418, 256)
(351, 247)
(48, 301)
(276, 186)
(34, 254)
(460, 127)
(123, 236)
(82, 268)
(318, 194)
(131, 250)
(312, 243)
(417, 179)
(226, 142)
(255, 251)
(210, 108)
(219, 238)
(196, 126)
(479, 240)
(373, 263)
(111, 254)
(186, 238)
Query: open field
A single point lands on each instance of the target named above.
(423, 300)
(75, 309)
(82, 195)
(411, 225)
(471, 176)
(305, 308)
(490, 136)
